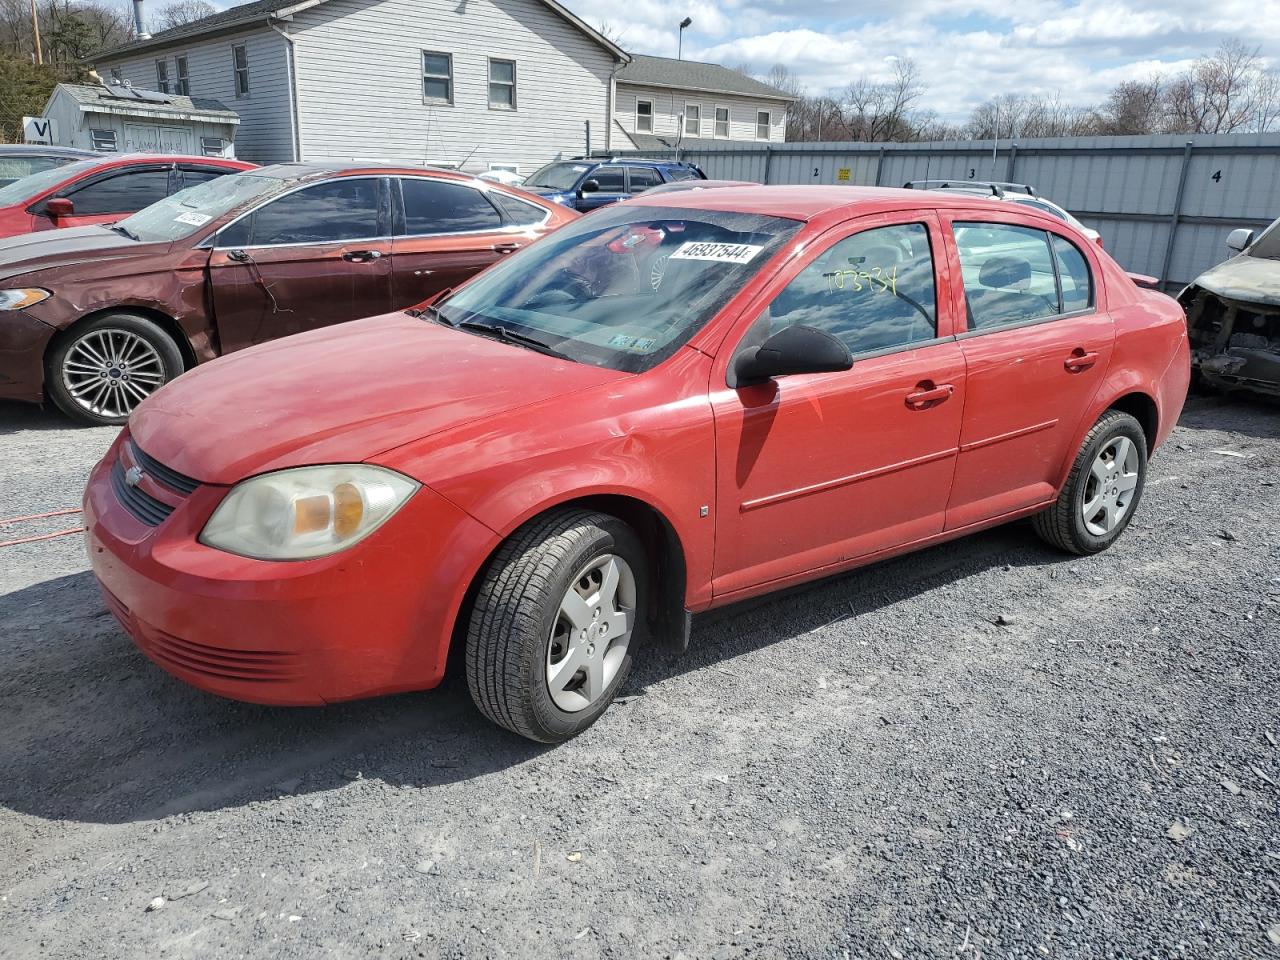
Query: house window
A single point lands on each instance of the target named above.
(183, 85)
(115, 75)
(437, 77)
(104, 141)
(162, 76)
(722, 122)
(502, 84)
(644, 116)
(240, 58)
(692, 119)
(211, 146)
(762, 124)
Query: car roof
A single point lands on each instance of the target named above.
(322, 169)
(41, 150)
(806, 202)
(128, 159)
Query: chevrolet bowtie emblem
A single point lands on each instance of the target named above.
(133, 476)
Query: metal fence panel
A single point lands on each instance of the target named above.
(1137, 191)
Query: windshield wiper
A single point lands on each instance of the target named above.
(499, 332)
(125, 232)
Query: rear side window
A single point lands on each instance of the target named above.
(874, 290)
(123, 193)
(434, 206)
(642, 178)
(1008, 274)
(1073, 274)
(518, 212)
(326, 213)
(682, 173)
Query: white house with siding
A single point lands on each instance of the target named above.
(662, 102)
(477, 84)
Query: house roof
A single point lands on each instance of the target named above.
(691, 75)
(258, 12)
(132, 102)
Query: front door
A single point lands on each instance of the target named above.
(1037, 348)
(820, 469)
(612, 181)
(313, 257)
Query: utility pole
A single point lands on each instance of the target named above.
(35, 29)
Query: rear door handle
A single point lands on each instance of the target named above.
(361, 256)
(506, 247)
(1080, 360)
(928, 394)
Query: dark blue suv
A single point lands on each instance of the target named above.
(585, 184)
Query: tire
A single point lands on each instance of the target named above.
(145, 359)
(520, 642)
(1085, 526)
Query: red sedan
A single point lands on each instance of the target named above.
(666, 406)
(101, 190)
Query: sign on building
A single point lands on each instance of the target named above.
(39, 130)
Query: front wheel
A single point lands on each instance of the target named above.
(1103, 489)
(99, 370)
(553, 628)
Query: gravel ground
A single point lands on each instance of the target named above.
(982, 750)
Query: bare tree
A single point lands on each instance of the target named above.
(1217, 95)
(179, 13)
(875, 111)
(613, 34)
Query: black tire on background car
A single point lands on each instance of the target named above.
(1103, 489)
(100, 369)
(555, 622)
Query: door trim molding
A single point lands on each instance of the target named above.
(1011, 435)
(748, 505)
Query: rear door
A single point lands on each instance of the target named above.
(640, 179)
(1036, 344)
(108, 196)
(446, 232)
(315, 256)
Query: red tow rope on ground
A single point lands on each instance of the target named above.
(44, 536)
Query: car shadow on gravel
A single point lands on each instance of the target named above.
(19, 417)
(94, 732)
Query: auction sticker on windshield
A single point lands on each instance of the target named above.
(721, 252)
(192, 219)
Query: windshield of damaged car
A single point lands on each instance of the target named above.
(186, 211)
(557, 176)
(1267, 246)
(623, 288)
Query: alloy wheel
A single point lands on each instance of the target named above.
(108, 372)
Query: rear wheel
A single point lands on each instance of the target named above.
(552, 631)
(1103, 489)
(99, 370)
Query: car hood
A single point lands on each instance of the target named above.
(342, 395)
(46, 249)
(1251, 279)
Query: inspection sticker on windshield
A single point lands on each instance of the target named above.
(721, 252)
(192, 219)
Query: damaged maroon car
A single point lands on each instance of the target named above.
(1233, 316)
(97, 318)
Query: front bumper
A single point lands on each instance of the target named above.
(373, 619)
(23, 341)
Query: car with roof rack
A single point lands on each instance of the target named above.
(1020, 193)
(587, 183)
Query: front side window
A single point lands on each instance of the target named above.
(437, 76)
(1267, 246)
(183, 85)
(123, 193)
(642, 178)
(436, 206)
(692, 119)
(763, 125)
(722, 122)
(162, 76)
(644, 116)
(874, 290)
(240, 63)
(331, 212)
(609, 179)
(622, 288)
(1008, 272)
(502, 84)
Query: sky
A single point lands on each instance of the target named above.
(966, 51)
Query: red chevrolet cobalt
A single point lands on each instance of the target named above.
(666, 406)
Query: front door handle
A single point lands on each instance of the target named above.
(928, 394)
(361, 256)
(1080, 360)
(506, 247)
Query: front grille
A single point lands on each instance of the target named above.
(255, 666)
(142, 505)
(175, 481)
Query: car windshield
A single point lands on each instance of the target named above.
(1267, 246)
(557, 176)
(20, 191)
(188, 210)
(623, 288)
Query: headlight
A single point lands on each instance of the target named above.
(17, 299)
(306, 512)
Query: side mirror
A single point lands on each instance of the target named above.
(798, 349)
(589, 186)
(59, 207)
(1237, 240)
